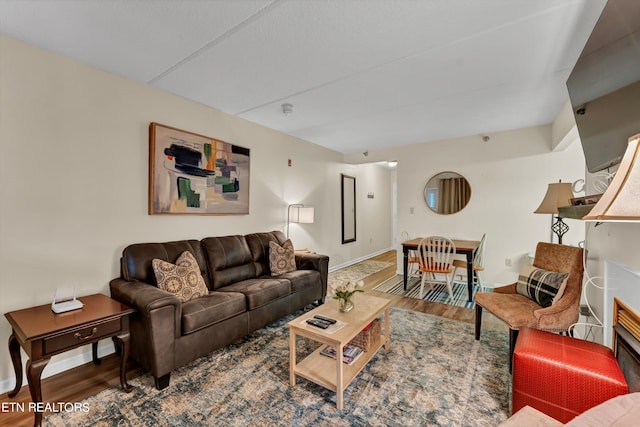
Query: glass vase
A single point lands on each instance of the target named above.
(345, 304)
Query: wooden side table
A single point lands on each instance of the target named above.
(42, 334)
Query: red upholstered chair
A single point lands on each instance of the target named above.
(562, 376)
(519, 311)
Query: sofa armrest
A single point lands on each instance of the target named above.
(145, 298)
(155, 325)
(311, 261)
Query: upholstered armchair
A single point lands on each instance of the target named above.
(519, 311)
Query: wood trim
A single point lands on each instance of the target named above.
(627, 318)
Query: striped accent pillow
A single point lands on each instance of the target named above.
(542, 286)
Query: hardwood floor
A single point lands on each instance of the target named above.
(69, 386)
(83, 381)
(443, 310)
(436, 309)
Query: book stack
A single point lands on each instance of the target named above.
(349, 354)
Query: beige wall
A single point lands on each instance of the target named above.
(73, 181)
(508, 175)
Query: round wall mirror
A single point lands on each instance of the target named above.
(447, 193)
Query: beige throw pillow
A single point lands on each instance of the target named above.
(182, 279)
(282, 259)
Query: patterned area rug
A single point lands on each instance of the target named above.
(437, 294)
(357, 271)
(435, 373)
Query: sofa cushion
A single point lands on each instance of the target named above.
(183, 279)
(261, 291)
(210, 309)
(229, 260)
(302, 279)
(282, 258)
(259, 247)
(540, 285)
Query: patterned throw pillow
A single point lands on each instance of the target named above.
(282, 259)
(182, 279)
(542, 286)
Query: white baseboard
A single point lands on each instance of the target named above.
(60, 364)
(357, 260)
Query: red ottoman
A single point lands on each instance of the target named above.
(563, 376)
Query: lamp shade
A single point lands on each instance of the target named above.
(621, 201)
(558, 194)
(302, 215)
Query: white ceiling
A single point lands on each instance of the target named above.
(361, 74)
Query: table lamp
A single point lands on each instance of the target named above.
(558, 194)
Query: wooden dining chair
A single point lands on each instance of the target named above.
(436, 254)
(478, 263)
(412, 261)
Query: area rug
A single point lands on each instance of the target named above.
(435, 373)
(438, 293)
(357, 271)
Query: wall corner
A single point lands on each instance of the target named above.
(563, 128)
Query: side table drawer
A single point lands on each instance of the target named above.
(75, 339)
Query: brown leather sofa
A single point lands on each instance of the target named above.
(243, 297)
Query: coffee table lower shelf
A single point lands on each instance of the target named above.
(321, 369)
(326, 371)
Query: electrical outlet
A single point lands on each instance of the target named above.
(507, 262)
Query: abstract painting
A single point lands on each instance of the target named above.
(195, 174)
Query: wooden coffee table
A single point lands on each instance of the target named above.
(42, 334)
(326, 371)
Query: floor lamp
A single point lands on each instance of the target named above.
(558, 194)
(299, 213)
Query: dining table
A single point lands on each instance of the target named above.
(463, 247)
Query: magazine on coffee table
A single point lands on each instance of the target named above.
(349, 354)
